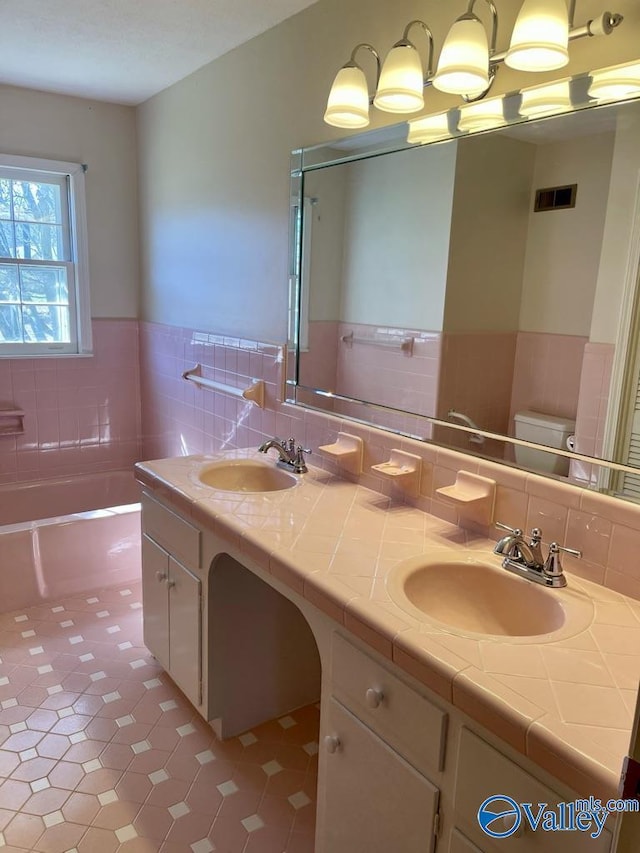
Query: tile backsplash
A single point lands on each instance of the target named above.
(81, 415)
(179, 418)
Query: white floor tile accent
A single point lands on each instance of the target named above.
(252, 823)
(179, 810)
(299, 800)
(126, 833)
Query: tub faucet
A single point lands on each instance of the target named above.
(290, 454)
(525, 558)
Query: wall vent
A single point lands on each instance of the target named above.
(555, 198)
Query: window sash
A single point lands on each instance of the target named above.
(70, 178)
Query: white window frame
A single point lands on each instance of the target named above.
(72, 176)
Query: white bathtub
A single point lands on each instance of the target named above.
(61, 542)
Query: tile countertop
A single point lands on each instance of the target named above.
(568, 704)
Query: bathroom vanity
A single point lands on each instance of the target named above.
(259, 602)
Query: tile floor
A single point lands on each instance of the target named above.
(100, 752)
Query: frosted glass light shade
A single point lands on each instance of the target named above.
(546, 100)
(540, 38)
(483, 115)
(463, 67)
(348, 104)
(614, 84)
(400, 89)
(429, 129)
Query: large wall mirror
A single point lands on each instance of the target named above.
(477, 292)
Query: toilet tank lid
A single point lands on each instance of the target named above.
(549, 421)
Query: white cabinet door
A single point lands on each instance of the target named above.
(155, 602)
(374, 801)
(483, 771)
(185, 631)
(460, 844)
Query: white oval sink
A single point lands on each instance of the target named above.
(473, 596)
(245, 475)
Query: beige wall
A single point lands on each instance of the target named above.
(623, 197)
(327, 187)
(398, 217)
(214, 153)
(488, 234)
(57, 127)
(563, 246)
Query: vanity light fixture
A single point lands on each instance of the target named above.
(402, 80)
(468, 60)
(481, 115)
(615, 84)
(463, 67)
(429, 129)
(540, 38)
(348, 104)
(546, 100)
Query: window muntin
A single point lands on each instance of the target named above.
(44, 291)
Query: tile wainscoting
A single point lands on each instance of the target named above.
(82, 415)
(179, 419)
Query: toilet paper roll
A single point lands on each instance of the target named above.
(571, 442)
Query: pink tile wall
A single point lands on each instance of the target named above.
(390, 376)
(319, 364)
(82, 415)
(595, 382)
(538, 381)
(178, 419)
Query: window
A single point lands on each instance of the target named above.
(44, 281)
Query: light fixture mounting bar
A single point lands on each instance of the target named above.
(605, 24)
(494, 23)
(405, 38)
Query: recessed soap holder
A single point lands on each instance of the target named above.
(403, 469)
(473, 495)
(347, 452)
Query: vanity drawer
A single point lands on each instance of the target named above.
(170, 530)
(483, 771)
(404, 718)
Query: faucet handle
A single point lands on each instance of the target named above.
(516, 531)
(553, 565)
(300, 466)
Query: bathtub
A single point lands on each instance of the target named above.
(62, 538)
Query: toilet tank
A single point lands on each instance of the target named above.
(545, 429)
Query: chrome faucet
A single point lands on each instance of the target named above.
(525, 558)
(290, 454)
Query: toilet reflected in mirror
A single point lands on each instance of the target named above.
(544, 429)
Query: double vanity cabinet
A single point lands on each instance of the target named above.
(400, 768)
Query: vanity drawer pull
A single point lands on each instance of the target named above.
(504, 824)
(402, 716)
(374, 697)
(161, 576)
(171, 584)
(332, 744)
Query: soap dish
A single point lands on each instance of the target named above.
(473, 495)
(403, 469)
(347, 451)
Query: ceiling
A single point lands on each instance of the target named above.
(124, 50)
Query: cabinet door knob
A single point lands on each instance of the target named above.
(373, 697)
(171, 584)
(161, 576)
(332, 743)
(504, 824)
